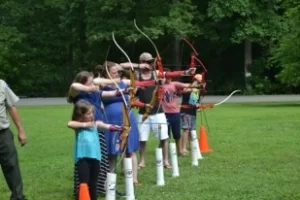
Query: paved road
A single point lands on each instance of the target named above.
(207, 99)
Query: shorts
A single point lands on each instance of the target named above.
(188, 122)
(156, 123)
(174, 124)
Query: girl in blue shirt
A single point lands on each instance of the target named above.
(87, 153)
(83, 88)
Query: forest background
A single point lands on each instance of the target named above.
(253, 45)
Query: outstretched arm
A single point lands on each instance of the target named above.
(105, 81)
(110, 127)
(146, 83)
(114, 93)
(128, 65)
(140, 104)
(75, 88)
(75, 124)
(174, 74)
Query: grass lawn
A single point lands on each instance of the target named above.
(256, 156)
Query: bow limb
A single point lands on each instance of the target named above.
(133, 87)
(126, 128)
(158, 58)
(203, 107)
(157, 53)
(158, 92)
(223, 101)
(195, 54)
(131, 72)
(126, 121)
(194, 58)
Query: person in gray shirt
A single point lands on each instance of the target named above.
(8, 153)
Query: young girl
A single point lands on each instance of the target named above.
(87, 154)
(190, 103)
(83, 88)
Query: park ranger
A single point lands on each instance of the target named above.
(8, 153)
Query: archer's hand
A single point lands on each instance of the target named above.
(88, 124)
(22, 137)
(190, 71)
(93, 88)
(148, 106)
(129, 89)
(115, 128)
(145, 66)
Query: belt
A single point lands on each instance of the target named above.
(3, 130)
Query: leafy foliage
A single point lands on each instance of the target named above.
(288, 51)
(255, 21)
(44, 43)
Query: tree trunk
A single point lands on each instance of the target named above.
(176, 49)
(70, 68)
(83, 46)
(176, 54)
(248, 64)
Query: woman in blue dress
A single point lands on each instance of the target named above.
(113, 113)
(83, 88)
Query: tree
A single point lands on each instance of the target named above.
(287, 53)
(246, 22)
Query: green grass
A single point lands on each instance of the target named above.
(256, 156)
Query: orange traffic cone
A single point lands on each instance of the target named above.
(84, 192)
(203, 144)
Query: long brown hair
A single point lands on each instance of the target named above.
(80, 109)
(109, 65)
(82, 77)
(99, 70)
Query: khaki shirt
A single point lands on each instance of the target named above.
(7, 99)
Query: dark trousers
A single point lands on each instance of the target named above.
(10, 164)
(174, 125)
(88, 170)
(104, 169)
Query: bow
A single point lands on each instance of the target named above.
(126, 122)
(131, 74)
(203, 107)
(194, 57)
(158, 92)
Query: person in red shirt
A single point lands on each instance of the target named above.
(171, 90)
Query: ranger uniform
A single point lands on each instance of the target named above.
(8, 153)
